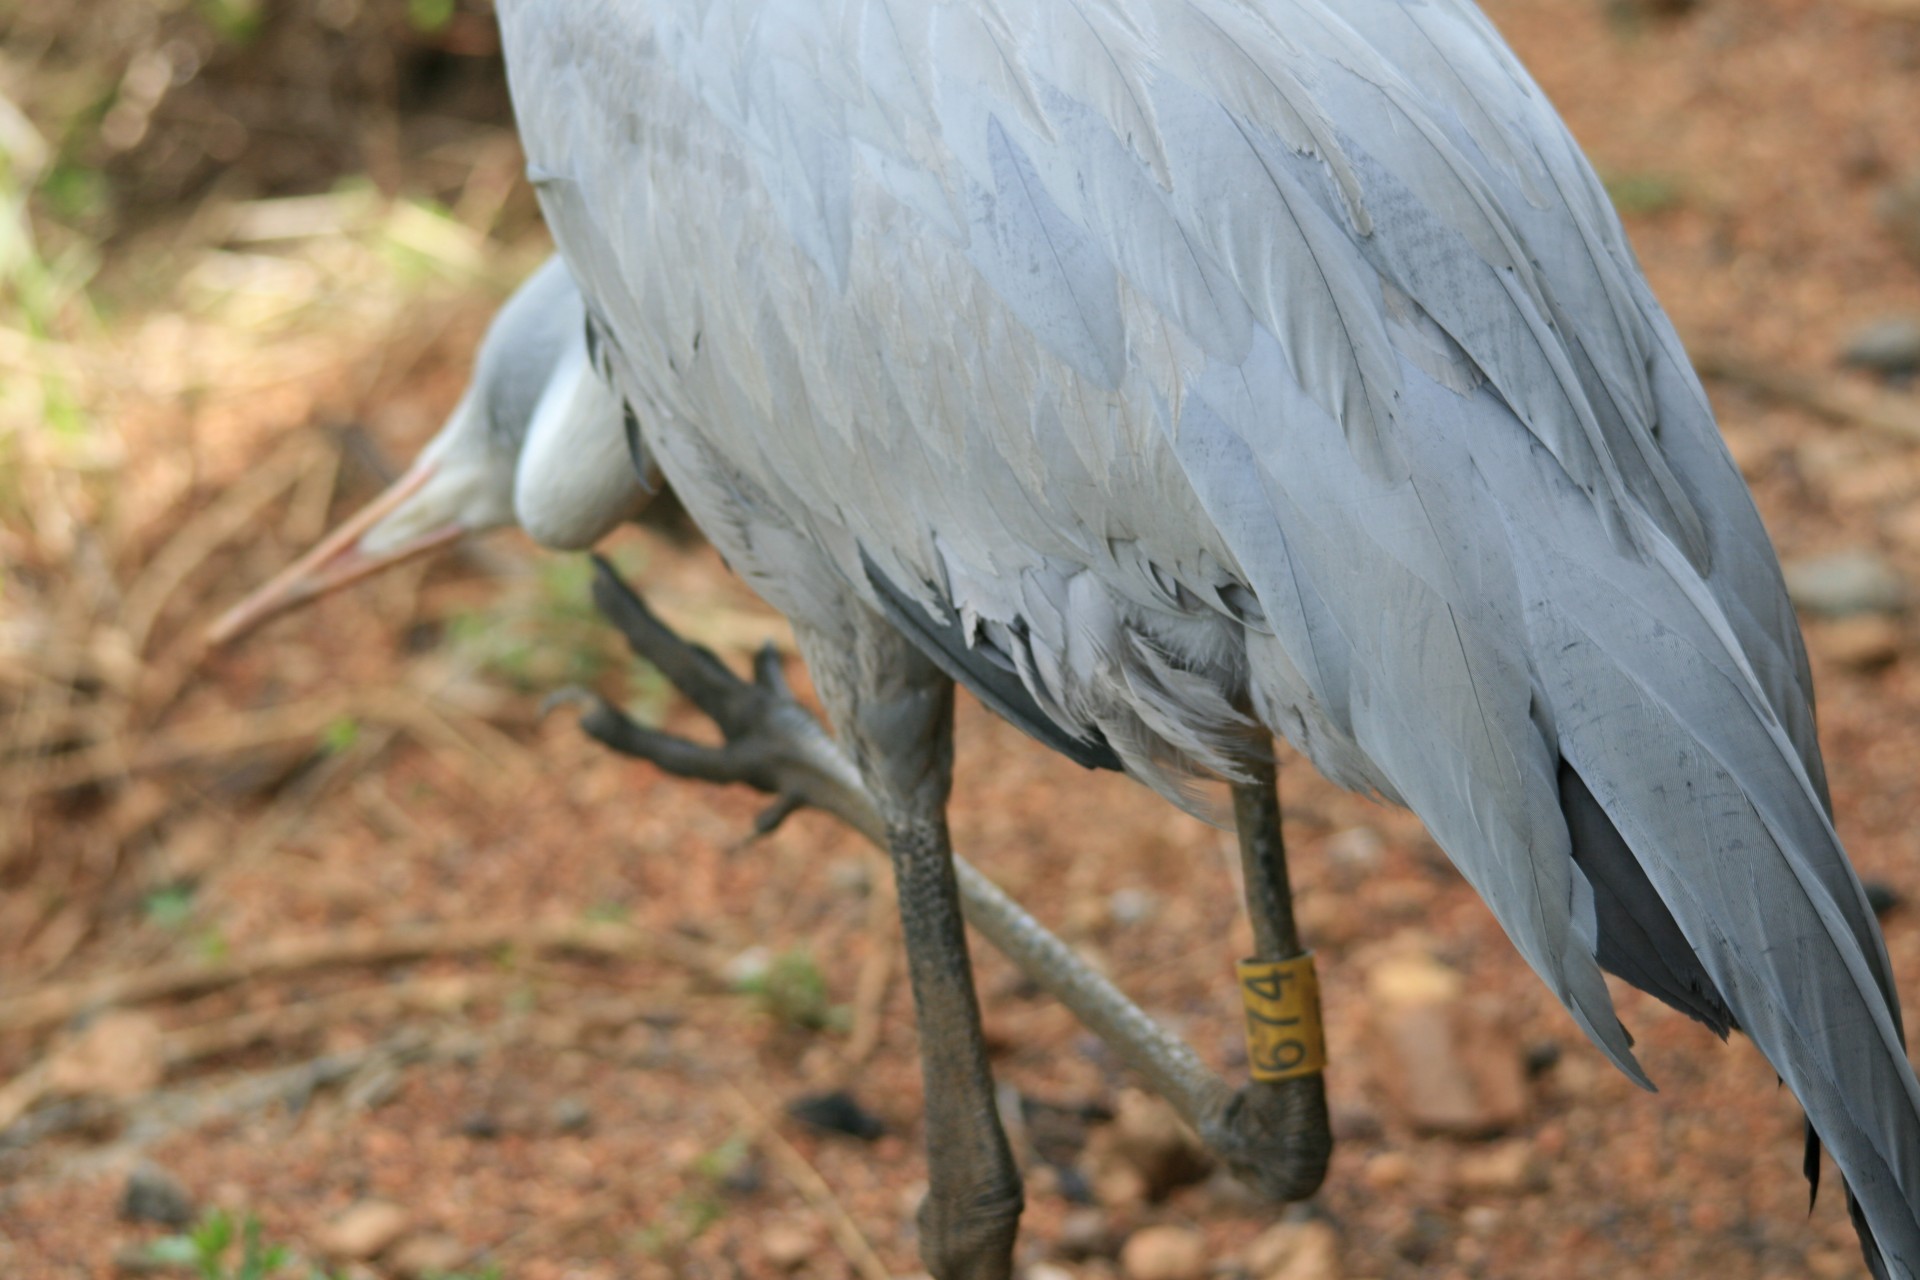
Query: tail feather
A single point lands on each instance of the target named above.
(1708, 795)
(1635, 935)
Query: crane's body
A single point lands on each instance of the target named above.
(1175, 371)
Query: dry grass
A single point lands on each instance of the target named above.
(155, 458)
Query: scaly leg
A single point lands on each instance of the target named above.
(1268, 1135)
(1275, 1134)
(894, 710)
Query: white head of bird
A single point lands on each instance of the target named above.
(538, 440)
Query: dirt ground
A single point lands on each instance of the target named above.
(335, 919)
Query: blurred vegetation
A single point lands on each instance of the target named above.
(150, 107)
(791, 989)
(208, 1250)
(230, 232)
(548, 635)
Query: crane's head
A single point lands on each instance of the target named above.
(538, 440)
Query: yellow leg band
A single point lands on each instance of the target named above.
(1282, 1000)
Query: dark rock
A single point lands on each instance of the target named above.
(745, 1178)
(1541, 1057)
(1882, 897)
(1073, 1185)
(480, 1125)
(154, 1195)
(837, 1112)
(1890, 345)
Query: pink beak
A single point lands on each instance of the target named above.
(337, 562)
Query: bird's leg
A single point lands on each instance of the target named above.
(1274, 1133)
(894, 710)
(774, 745)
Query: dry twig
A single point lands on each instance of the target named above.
(52, 1005)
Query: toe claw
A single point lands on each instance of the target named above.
(783, 807)
(770, 673)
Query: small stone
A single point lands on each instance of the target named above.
(1866, 642)
(1388, 1171)
(1890, 345)
(1447, 1064)
(1164, 1253)
(1357, 849)
(1307, 1250)
(121, 1054)
(1881, 896)
(1085, 1233)
(1132, 906)
(570, 1115)
(747, 969)
(154, 1195)
(1149, 1137)
(1118, 1186)
(1507, 1169)
(1046, 1271)
(425, 1257)
(364, 1231)
(837, 1112)
(1845, 583)
(1481, 1220)
(788, 1244)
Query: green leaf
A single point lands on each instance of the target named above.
(171, 907)
(429, 15)
(339, 735)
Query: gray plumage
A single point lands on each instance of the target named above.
(1216, 367)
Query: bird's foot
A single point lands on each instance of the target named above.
(769, 741)
(1274, 1136)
